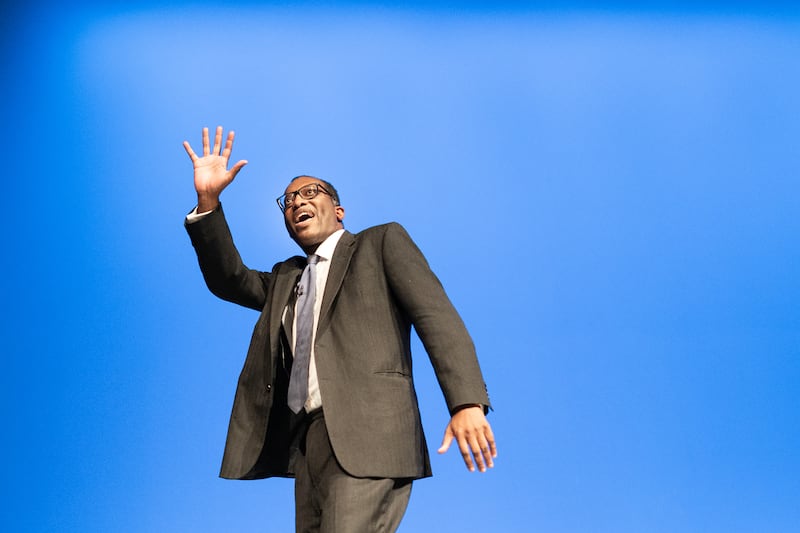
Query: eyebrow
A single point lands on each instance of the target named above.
(306, 185)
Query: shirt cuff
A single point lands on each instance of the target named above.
(194, 216)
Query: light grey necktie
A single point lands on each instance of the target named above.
(306, 293)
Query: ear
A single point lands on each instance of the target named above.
(339, 213)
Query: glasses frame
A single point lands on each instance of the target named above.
(286, 200)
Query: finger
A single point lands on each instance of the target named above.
(485, 451)
(192, 155)
(490, 439)
(475, 447)
(446, 441)
(217, 141)
(237, 167)
(226, 152)
(465, 453)
(206, 150)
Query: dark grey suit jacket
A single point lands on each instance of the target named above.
(379, 285)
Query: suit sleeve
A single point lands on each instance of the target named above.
(223, 270)
(440, 328)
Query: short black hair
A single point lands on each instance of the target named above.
(328, 187)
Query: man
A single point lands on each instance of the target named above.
(326, 394)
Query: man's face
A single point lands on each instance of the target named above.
(310, 222)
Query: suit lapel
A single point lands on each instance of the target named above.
(284, 283)
(339, 263)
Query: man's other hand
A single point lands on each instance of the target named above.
(469, 427)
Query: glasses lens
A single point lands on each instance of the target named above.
(309, 191)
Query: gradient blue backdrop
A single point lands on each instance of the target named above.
(636, 166)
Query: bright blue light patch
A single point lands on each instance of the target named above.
(637, 165)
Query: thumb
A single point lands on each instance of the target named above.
(237, 167)
(448, 438)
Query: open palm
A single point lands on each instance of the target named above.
(211, 174)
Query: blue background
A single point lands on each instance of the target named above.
(630, 171)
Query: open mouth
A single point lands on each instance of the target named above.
(303, 216)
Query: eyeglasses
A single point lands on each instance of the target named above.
(306, 192)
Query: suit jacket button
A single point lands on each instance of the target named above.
(269, 388)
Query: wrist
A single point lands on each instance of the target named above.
(465, 406)
(206, 203)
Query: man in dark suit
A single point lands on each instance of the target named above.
(326, 394)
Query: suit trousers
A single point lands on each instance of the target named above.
(329, 500)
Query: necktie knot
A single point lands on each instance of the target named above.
(309, 274)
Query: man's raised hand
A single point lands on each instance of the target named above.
(211, 174)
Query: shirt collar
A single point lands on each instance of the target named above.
(325, 250)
